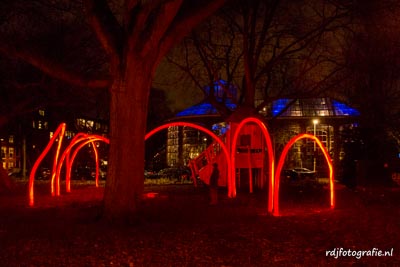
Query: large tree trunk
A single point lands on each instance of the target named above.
(128, 114)
(135, 49)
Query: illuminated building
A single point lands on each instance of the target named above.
(323, 117)
(10, 154)
(286, 118)
(184, 143)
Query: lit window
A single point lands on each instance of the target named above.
(39, 125)
(3, 151)
(51, 135)
(41, 112)
(11, 152)
(11, 139)
(69, 134)
(89, 124)
(81, 122)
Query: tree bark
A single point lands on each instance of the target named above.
(128, 115)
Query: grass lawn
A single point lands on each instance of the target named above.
(177, 227)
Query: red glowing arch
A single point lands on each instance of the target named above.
(58, 133)
(65, 155)
(57, 164)
(270, 156)
(282, 161)
(83, 139)
(274, 178)
(90, 139)
(210, 133)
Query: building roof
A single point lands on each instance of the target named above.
(308, 107)
(204, 109)
(223, 93)
(284, 107)
(311, 107)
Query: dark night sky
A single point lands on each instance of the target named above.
(180, 90)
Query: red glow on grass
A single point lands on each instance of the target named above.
(210, 133)
(270, 156)
(150, 195)
(282, 161)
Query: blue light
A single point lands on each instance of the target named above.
(336, 108)
(204, 108)
(220, 128)
(343, 109)
(279, 105)
(224, 93)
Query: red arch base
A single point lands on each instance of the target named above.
(282, 161)
(270, 156)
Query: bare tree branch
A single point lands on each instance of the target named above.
(105, 25)
(160, 21)
(187, 18)
(50, 67)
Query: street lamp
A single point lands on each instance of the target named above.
(315, 122)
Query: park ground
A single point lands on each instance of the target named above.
(177, 227)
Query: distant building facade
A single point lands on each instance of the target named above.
(186, 143)
(25, 139)
(323, 117)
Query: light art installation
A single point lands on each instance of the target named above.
(65, 155)
(274, 177)
(270, 156)
(231, 189)
(57, 163)
(282, 161)
(83, 139)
